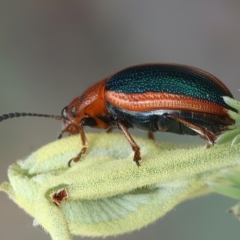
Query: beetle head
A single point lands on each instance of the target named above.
(85, 110)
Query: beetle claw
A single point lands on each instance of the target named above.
(69, 162)
(136, 160)
(75, 159)
(137, 163)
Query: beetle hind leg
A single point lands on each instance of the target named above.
(202, 131)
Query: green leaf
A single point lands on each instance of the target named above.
(232, 175)
(227, 190)
(106, 193)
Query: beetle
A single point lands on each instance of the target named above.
(153, 97)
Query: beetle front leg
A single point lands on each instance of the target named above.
(134, 145)
(84, 147)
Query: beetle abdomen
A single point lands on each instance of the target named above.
(160, 120)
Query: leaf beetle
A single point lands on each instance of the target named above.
(153, 97)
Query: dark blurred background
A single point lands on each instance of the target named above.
(51, 50)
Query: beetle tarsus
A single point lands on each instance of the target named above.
(137, 156)
(78, 157)
(137, 163)
(211, 137)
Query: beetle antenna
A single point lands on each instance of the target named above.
(23, 114)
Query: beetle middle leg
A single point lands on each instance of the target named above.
(150, 135)
(110, 129)
(134, 145)
(202, 131)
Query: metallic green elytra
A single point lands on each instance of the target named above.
(170, 78)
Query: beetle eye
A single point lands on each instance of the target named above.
(64, 113)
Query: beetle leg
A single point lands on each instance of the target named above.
(109, 130)
(151, 135)
(134, 145)
(84, 147)
(200, 130)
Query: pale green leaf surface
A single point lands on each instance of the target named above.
(107, 193)
(232, 175)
